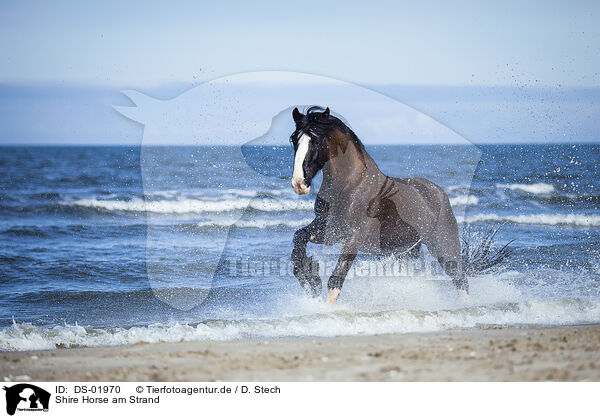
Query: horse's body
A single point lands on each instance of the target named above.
(362, 208)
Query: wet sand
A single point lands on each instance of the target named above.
(497, 354)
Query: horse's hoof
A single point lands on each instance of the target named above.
(332, 296)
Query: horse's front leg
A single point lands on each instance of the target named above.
(334, 285)
(306, 269)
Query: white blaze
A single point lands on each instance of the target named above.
(298, 175)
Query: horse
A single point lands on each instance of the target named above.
(363, 209)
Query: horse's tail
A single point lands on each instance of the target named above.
(479, 255)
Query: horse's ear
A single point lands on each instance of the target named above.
(326, 112)
(296, 115)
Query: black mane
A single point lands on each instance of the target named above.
(318, 123)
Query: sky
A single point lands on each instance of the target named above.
(81, 54)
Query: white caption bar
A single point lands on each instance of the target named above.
(68, 399)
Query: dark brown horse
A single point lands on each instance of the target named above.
(362, 208)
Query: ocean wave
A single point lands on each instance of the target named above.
(533, 188)
(567, 219)
(457, 188)
(569, 198)
(45, 195)
(20, 337)
(254, 193)
(257, 223)
(25, 231)
(184, 206)
(226, 203)
(199, 194)
(465, 200)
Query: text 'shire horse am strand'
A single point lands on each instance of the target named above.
(362, 209)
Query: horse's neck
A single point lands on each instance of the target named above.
(346, 170)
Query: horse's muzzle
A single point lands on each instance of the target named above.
(299, 186)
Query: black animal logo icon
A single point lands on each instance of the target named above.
(31, 394)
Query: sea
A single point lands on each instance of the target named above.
(113, 245)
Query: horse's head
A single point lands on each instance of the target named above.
(311, 145)
(317, 139)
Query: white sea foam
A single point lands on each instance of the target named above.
(183, 206)
(168, 194)
(367, 306)
(216, 205)
(335, 322)
(568, 219)
(464, 200)
(533, 188)
(227, 200)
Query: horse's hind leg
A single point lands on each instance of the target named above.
(415, 252)
(306, 269)
(445, 246)
(450, 260)
(453, 268)
(437, 228)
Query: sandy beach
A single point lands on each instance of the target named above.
(570, 353)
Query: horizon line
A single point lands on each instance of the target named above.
(191, 85)
(97, 144)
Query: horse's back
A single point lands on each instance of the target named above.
(434, 195)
